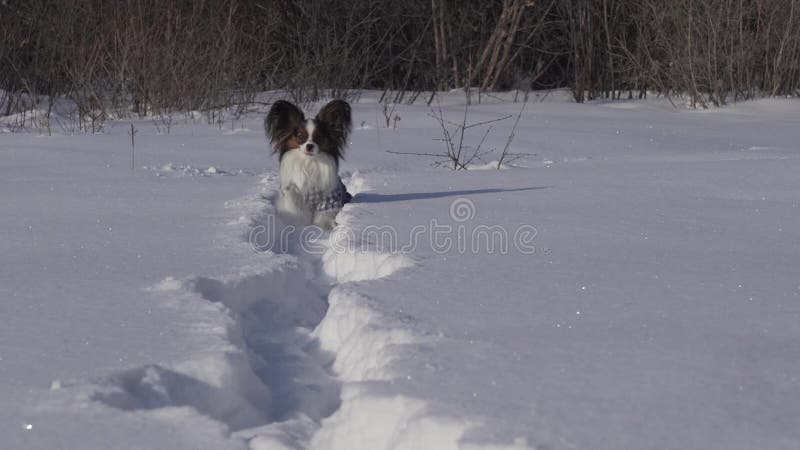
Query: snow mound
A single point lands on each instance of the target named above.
(366, 339)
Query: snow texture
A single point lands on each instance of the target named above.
(631, 282)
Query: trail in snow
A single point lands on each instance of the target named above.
(279, 384)
(658, 308)
(281, 352)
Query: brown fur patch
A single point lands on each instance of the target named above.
(286, 128)
(289, 142)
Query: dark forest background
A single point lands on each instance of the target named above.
(151, 56)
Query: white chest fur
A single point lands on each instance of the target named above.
(308, 173)
(302, 174)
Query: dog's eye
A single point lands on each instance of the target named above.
(300, 133)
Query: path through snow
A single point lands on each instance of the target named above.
(658, 311)
(277, 385)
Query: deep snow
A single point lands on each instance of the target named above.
(632, 283)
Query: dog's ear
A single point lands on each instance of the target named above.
(337, 118)
(281, 121)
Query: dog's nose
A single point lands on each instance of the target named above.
(309, 148)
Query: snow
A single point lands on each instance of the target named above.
(630, 283)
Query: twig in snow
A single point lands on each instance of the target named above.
(511, 137)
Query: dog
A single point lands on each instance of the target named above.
(309, 153)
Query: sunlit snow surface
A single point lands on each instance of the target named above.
(631, 282)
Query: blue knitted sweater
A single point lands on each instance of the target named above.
(324, 201)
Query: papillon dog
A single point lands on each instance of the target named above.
(309, 153)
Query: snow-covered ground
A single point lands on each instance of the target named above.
(633, 282)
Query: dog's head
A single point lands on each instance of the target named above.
(288, 130)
